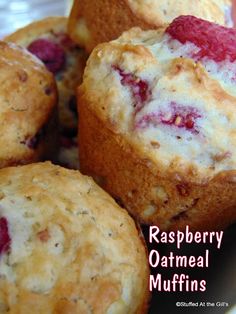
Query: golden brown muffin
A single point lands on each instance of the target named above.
(28, 114)
(48, 40)
(66, 246)
(96, 21)
(158, 123)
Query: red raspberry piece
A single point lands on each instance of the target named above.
(139, 88)
(178, 116)
(50, 53)
(4, 236)
(181, 120)
(216, 42)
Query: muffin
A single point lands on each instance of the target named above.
(47, 39)
(66, 246)
(96, 21)
(28, 115)
(158, 123)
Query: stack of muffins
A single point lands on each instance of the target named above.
(156, 130)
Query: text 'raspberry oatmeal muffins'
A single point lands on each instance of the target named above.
(158, 123)
(28, 114)
(96, 21)
(66, 246)
(47, 39)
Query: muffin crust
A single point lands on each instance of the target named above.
(158, 130)
(71, 248)
(28, 114)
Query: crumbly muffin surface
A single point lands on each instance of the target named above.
(66, 247)
(175, 105)
(156, 10)
(97, 21)
(28, 100)
(48, 40)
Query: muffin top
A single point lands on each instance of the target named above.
(28, 97)
(159, 12)
(66, 246)
(171, 94)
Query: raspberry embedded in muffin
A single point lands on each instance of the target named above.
(48, 40)
(50, 53)
(53, 50)
(173, 115)
(176, 154)
(215, 42)
(139, 88)
(28, 102)
(214, 46)
(97, 21)
(5, 239)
